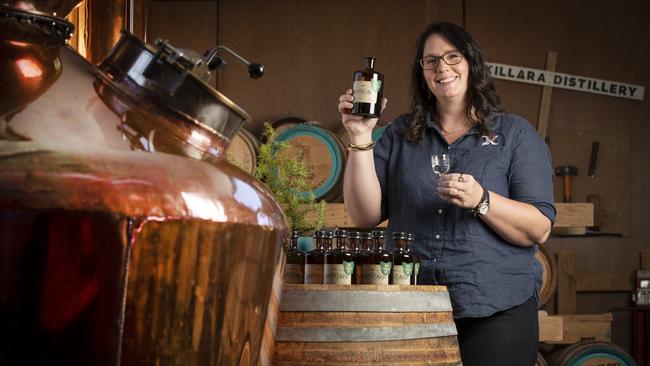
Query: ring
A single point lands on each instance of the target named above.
(460, 178)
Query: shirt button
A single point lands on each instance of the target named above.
(440, 211)
(437, 236)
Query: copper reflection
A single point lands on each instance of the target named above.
(29, 63)
(59, 8)
(126, 237)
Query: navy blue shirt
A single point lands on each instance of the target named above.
(484, 273)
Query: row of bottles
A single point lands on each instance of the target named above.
(346, 258)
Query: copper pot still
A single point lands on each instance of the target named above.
(126, 238)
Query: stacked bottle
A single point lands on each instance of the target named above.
(315, 260)
(294, 268)
(377, 263)
(416, 260)
(402, 270)
(358, 254)
(339, 262)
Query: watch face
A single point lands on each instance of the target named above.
(483, 208)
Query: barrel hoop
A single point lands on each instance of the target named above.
(365, 334)
(365, 301)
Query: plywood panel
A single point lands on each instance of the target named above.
(312, 48)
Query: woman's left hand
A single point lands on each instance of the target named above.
(460, 189)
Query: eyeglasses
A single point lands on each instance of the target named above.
(450, 58)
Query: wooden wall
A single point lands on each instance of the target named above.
(311, 48)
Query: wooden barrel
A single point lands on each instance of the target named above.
(590, 354)
(549, 276)
(242, 150)
(281, 124)
(324, 154)
(364, 324)
(540, 360)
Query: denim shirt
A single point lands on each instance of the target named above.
(484, 273)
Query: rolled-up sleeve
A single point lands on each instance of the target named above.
(531, 172)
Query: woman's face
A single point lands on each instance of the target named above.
(447, 83)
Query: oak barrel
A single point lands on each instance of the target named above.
(540, 360)
(588, 353)
(279, 125)
(366, 324)
(242, 150)
(323, 153)
(549, 276)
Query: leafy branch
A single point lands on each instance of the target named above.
(287, 176)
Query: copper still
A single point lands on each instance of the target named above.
(125, 236)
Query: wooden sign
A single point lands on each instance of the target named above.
(565, 81)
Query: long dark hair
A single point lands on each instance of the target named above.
(481, 95)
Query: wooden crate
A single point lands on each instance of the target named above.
(568, 329)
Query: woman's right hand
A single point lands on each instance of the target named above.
(358, 127)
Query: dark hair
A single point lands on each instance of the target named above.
(481, 95)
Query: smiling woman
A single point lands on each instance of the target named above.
(479, 223)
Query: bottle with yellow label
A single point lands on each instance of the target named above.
(368, 88)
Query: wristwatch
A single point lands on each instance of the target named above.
(484, 204)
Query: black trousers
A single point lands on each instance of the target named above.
(508, 338)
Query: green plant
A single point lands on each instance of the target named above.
(287, 178)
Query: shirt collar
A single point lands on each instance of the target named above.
(493, 123)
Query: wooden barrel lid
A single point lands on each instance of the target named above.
(324, 155)
(243, 150)
(549, 276)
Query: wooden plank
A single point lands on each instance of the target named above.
(574, 214)
(568, 329)
(566, 285)
(551, 328)
(568, 215)
(645, 260)
(545, 101)
(605, 282)
(577, 328)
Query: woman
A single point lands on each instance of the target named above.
(477, 227)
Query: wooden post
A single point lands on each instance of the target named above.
(566, 283)
(545, 102)
(645, 260)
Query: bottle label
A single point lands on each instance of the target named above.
(339, 274)
(402, 274)
(348, 267)
(293, 274)
(366, 91)
(314, 274)
(375, 274)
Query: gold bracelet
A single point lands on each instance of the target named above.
(363, 147)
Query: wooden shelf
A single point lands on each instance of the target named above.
(568, 329)
(568, 215)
